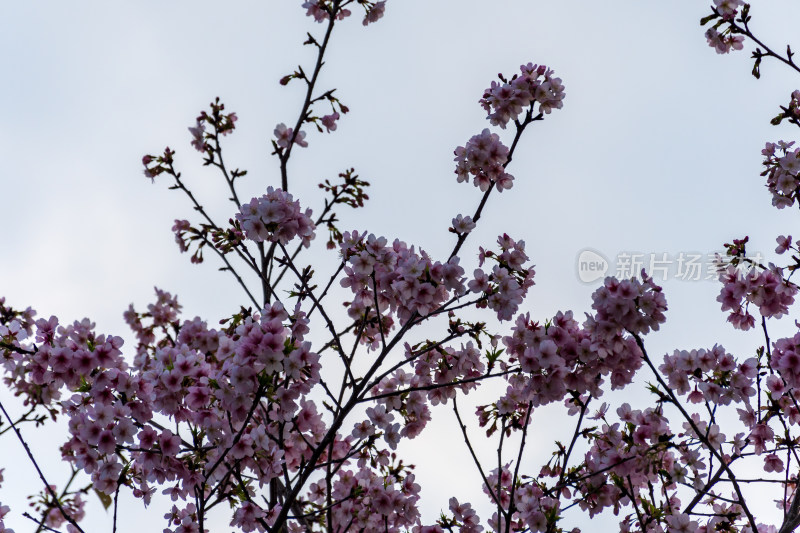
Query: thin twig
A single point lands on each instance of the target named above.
(47, 486)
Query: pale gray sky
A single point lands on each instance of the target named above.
(657, 149)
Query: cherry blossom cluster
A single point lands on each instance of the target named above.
(67, 354)
(710, 376)
(73, 357)
(725, 40)
(370, 500)
(783, 387)
(276, 217)
(155, 165)
(535, 84)
(375, 11)
(506, 286)
(560, 358)
(786, 361)
(4, 509)
(73, 504)
(641, 461)
(211, 416)
(396, 279)
(766, 289)
(794, 104)
(626, 452)
(631, 305)
(464, 517)
(321, 10)
(728, 8)
(180, 228)
(484, 158)
(203, 377)
(645, 453)
(434, 369)
(163, 315)
(783, 172)
(536, 511)
(439, 367)
(185, 519)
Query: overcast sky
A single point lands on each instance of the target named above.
(657, 149)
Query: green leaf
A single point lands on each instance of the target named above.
(105, 499)
(492, 355)
(709, 18)
(84, 386)
(756, 69)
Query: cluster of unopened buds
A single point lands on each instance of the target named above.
(155, 165)
(276, 217)
(790, 112)
(221, 123)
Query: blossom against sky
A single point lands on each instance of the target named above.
(657, 148)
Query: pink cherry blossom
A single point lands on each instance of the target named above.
(483, 158)
(284, 136)
(375, 12)
(329, 121)
(276, 217)
(535, 84)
